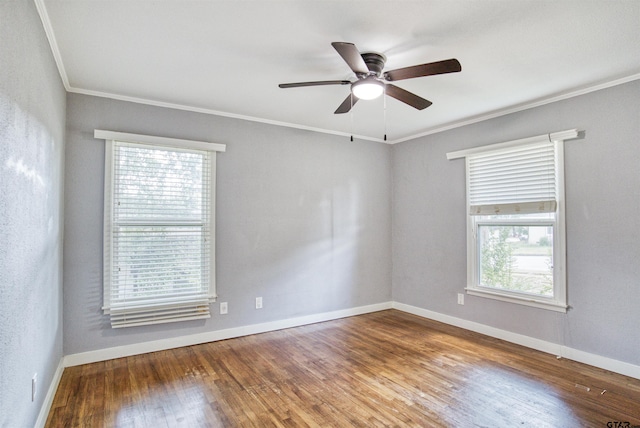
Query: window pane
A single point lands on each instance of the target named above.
(158, 262)
(517, 258)
(158, 184)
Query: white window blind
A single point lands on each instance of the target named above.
(515, 180)
(516, 226)
(159, 261)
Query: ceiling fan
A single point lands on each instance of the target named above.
(372, 82)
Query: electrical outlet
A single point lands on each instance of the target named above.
(223, 308)
(460, 298)
(258, 302)
(34, 385)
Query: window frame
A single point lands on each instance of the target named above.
(558, 302)
(161, 311)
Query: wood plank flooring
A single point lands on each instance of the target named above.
(382, 369)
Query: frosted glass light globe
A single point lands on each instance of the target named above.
(367, 89)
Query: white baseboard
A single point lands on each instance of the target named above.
(530, 342)
(51, 392)
(159, 345)
(194, 339)
(519, 339)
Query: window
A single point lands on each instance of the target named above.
(159, 252)
(515, 222)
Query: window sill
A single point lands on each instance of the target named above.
(519, 299)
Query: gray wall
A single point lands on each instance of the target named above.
(32, 124)
(303, 220)
(603, 226)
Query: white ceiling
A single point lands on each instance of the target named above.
(227, 57)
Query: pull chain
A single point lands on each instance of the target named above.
(351, 114)
(384, 95)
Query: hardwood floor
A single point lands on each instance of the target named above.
(382, 369)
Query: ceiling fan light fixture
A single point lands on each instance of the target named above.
(372, 82)
(367, 89)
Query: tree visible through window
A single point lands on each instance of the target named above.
(517, 258)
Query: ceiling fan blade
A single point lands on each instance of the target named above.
(352, 57)
(407, 97)
(439, 67)
(320, 83)
(346, 105)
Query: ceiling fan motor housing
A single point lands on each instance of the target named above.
(375, 62)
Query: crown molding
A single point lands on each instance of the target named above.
(212, 112)
(521, 107)
(48, 29)
(435, 130)
(44, 16)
